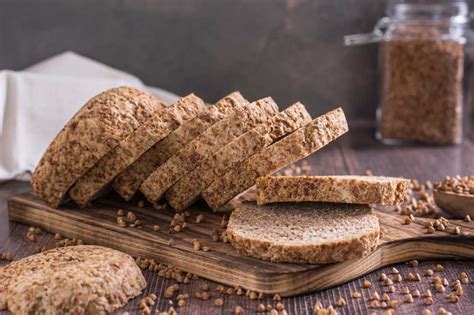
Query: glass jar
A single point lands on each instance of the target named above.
(421, 63)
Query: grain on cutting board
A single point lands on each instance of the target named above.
(133, 146)
(190, 186)
(339, 189)
(303, 142)
(218, 135)
(128, 182)
(91, 133)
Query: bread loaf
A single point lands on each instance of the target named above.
(129, 181)
(190, 186)
(92, 132)
(214, 138)
(133, 146)
(303, 142)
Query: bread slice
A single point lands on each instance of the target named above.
(129, 181)
(303, 142)
(133, 146)
(218, 135)
(91, 133)
(310, 233)
(338, 189)
(70, 280)
(189, 187)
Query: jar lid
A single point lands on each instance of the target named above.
(452, 14)
(453, 11)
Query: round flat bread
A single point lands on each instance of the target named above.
(77, 280)
(311, 233)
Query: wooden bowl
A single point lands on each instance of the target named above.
(457, 205)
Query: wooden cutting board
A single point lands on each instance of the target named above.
(97, 225)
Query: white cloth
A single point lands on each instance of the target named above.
(36, 103)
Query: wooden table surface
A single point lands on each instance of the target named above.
(352, 154)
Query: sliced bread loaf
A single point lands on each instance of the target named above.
(92, 132)
(312, 233)
(129, 181)
(218, 135)
(190, 186)
(338, 189)
(133, 146)
(303, 142)
(70, 280)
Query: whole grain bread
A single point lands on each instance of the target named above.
(92, 132)
(312, 233)
(301, 143)
(338, 189)
(128, 182)
(214, 138)
(190, 186)
(70, 280)
(133, 146)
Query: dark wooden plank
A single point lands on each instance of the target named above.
(302, 304)
(96, 224)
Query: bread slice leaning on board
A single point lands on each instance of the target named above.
(218, 135)
(189, 187)
(339, 189)
(133, 146)
(312, 233)
(296, 146)
(129, 181)
(96, 129)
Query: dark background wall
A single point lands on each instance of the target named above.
(291, 50)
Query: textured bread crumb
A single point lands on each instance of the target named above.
(76, 280)
(190, 186)
(313, 233)
(128, 182)
(338, 189)
(218, 135)
(298, 145)
(92, 132)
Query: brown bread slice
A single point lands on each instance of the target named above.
(190, 186)
(338, 189)
(303, 142)
(309, 233)
(129, 181)
(91, 133)
(80, 279)
(214, 138)
(133, 146)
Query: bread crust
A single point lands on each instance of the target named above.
(128, 182)
(133, 146)
(278, 250)
(298, 145)
(190, 186)
(214, 138)
(75, 280)
(90, 134)
(338, 189)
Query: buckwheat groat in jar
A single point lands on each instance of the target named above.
(421, 61)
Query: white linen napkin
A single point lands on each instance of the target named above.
(36, 103)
